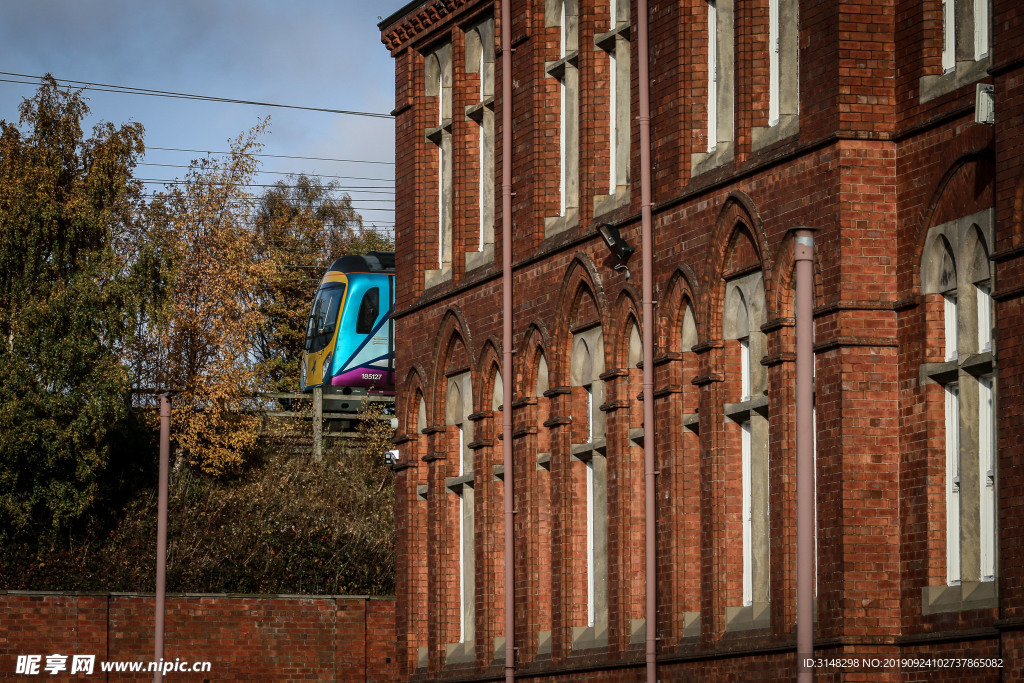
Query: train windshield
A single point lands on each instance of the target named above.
(324, 318)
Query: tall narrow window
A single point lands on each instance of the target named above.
(987, 478)
(438, 84)
(563, 157)
(984, 318)
(479, 45)
(950, 315)
(441, 218)
(955, 266)
(965, 42)
(589, 479)
(481, 161)
(462, 540)
(613, 96)
(748, 515)
(980, 28)
(615, 43)
(746, 413)
(952, 484)
(712, 75)
(948, 35)
(591, 558)
(563, 14)
(459, 432)
(773, 62)
(745, 369)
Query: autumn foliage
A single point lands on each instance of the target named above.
(106, 300)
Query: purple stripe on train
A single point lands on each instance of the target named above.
(381, 381)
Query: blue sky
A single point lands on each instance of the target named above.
(315, 53)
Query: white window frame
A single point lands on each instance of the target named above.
(712, 75)
(462, 541)
(952, 336)
(748, 514)
(987, 477)
(613, 94)
(981, 35)
(481, 208)
(773, 63)
(591, 551)
(745, 378)
(984, 305)
(440, 172)
(563, 121)
(952, 483)
(948, 35)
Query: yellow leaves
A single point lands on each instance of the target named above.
(213, 310)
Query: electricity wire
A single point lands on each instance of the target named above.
(285, 173)
(274, 156)
(131, 90)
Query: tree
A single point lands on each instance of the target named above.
(217, 272)
(303, 226)
(66, 202)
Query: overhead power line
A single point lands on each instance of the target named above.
(275, 156)
(370, 189)
(286, 173)
(130, 90)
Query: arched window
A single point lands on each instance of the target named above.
(438, 84)
(783, 75)
(956, 270)
(615, 43)
(588, 447)
(746, 408)
(720, 126)
(564, 15)
(459, 431)
(480, 60)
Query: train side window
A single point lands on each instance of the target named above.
(368, 310)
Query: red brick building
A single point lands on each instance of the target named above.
(865, 121)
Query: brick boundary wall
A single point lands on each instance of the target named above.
(245, 637)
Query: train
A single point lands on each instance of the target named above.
(350, 341)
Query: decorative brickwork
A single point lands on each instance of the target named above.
(877, 151)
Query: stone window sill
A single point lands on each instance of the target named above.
(543, 643)
(556, 224)
(606, 203)
(967, 596)
(964, 73)
(590, 637)
(460, 653)
(747, 618)
(478, 259)
(436, 276)
(765, 136)
(702, 162)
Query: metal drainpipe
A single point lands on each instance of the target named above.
(161, 532)
(803, 255)
(646, 243)
(506, 324)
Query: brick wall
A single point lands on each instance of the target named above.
(875, 163)
(244, 637)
